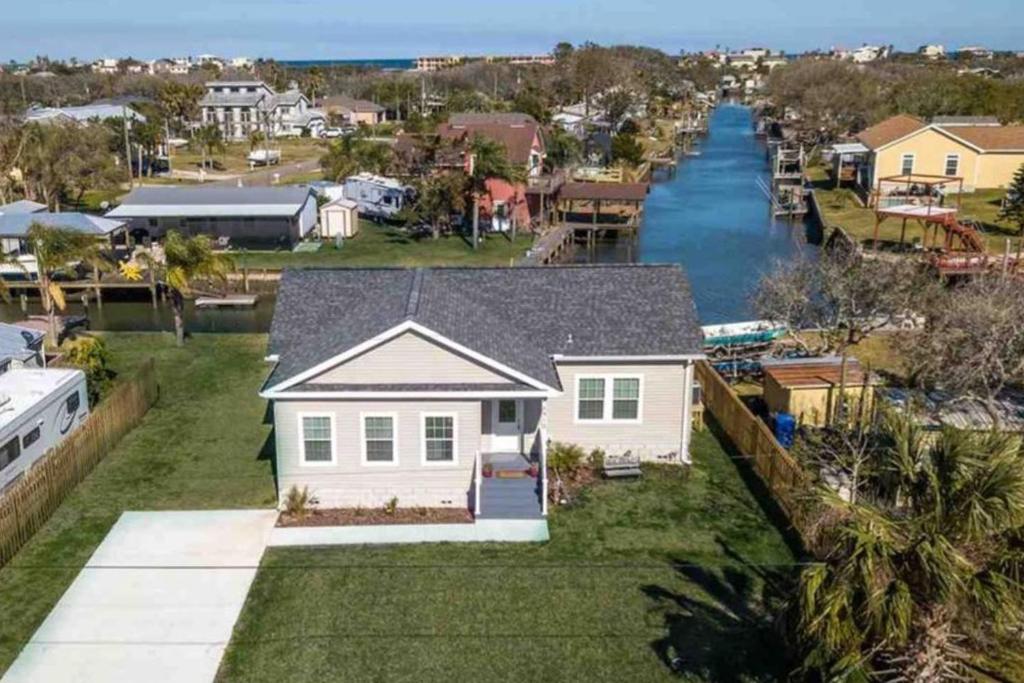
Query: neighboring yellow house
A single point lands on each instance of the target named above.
(978, 149)
(808, 388)
(353, 111)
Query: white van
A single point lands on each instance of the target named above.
(39, 408)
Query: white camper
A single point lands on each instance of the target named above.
(39, 408)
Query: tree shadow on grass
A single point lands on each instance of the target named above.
(730, 633)
(760, 491)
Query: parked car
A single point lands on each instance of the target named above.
(332, 132)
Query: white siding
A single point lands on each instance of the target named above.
(349, 483)
(409, 359)
(659, 432)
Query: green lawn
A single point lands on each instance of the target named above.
(376, 246)
(201, 446)
(235, 156)
(840, 208)
(638, 573)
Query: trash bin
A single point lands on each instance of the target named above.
(785, 429)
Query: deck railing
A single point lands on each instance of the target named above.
(30, 501)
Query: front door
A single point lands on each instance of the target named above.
(505, 426)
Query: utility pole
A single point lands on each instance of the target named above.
(127, 145)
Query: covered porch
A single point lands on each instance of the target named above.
(510, 479)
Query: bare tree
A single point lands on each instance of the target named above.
(973, 342)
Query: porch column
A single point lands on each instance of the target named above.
(543, 433)
(684, 445)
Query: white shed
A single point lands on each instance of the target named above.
(339, 217)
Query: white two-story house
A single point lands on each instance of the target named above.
(239, 108)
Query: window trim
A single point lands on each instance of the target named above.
(423, 440)
(394, 440)
(952, 155)
(302, 441)
(903, 163)
(609, 400)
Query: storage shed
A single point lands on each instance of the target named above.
(339, 217)
(808, 388)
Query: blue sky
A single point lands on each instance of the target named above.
(291, 29)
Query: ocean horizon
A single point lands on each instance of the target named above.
(386, 64)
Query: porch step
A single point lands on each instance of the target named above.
(510, 499)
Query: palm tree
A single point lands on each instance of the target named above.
(187, 260)
(489, 161)
(909, 584)
(209, 141)
(58, 251)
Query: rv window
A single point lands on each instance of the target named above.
(72, 403)
(30, 438)
(10, 452)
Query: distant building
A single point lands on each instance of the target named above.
(169, 66)
(869, 53)
(932, 51)
(353, 111)
(975, 52)
(84, 114)
(252, 215)
(239, 108)
(241, 63)
(106, 65)
(437, 63)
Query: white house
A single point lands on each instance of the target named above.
(239, 108)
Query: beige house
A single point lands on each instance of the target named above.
(978, 149)
(416, 384)
(353, 111)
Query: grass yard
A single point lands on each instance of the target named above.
(203, 445)
(235, 157)
(376, 246)
(634, 575)
(840, 208)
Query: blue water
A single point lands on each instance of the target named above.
(711, 218)
(386, 64)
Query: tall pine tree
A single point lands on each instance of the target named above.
(1013, 207)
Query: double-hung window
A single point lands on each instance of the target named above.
(952, 164)
(907, 164)
(379, 440)
(608, 399)
(438, 439)
(317, 444)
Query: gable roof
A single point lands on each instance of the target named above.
(519, 318)
(17, 224)
(513, 131)
(351, 103)
(213, 201)
(22, 206)
(992, 138)
(890, 130)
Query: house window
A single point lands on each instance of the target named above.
(506, 412)
(608, 399)
(317, 439)
(439, 438)
(591, 399)
(379, 439)
(30, 438)
(907, 164)
(952, 164)
(9, 452)
(626, 398)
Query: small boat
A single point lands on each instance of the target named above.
(693, 153)
(731, 335)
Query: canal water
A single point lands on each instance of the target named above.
(708, 216)
(711, 217)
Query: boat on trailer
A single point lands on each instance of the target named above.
(734, 336)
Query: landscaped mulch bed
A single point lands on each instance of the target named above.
(376, 516)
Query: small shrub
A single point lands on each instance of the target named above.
(360, 511)
(565, 458)
(596, 459)
(90, 355)
(391, 506)
(296, 503)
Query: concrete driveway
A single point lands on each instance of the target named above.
(156, 602)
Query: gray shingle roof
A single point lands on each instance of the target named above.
(520, 317)
(195, 201)
(22, 206)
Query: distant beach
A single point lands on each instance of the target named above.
(385, 64)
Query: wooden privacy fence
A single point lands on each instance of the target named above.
(787, 481)
(32, 499)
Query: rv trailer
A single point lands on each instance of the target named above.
(39, 408)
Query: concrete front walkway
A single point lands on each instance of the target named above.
(156, 602)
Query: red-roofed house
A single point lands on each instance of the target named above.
(523, 140)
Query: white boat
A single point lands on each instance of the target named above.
(742, 334)
(264, 157)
